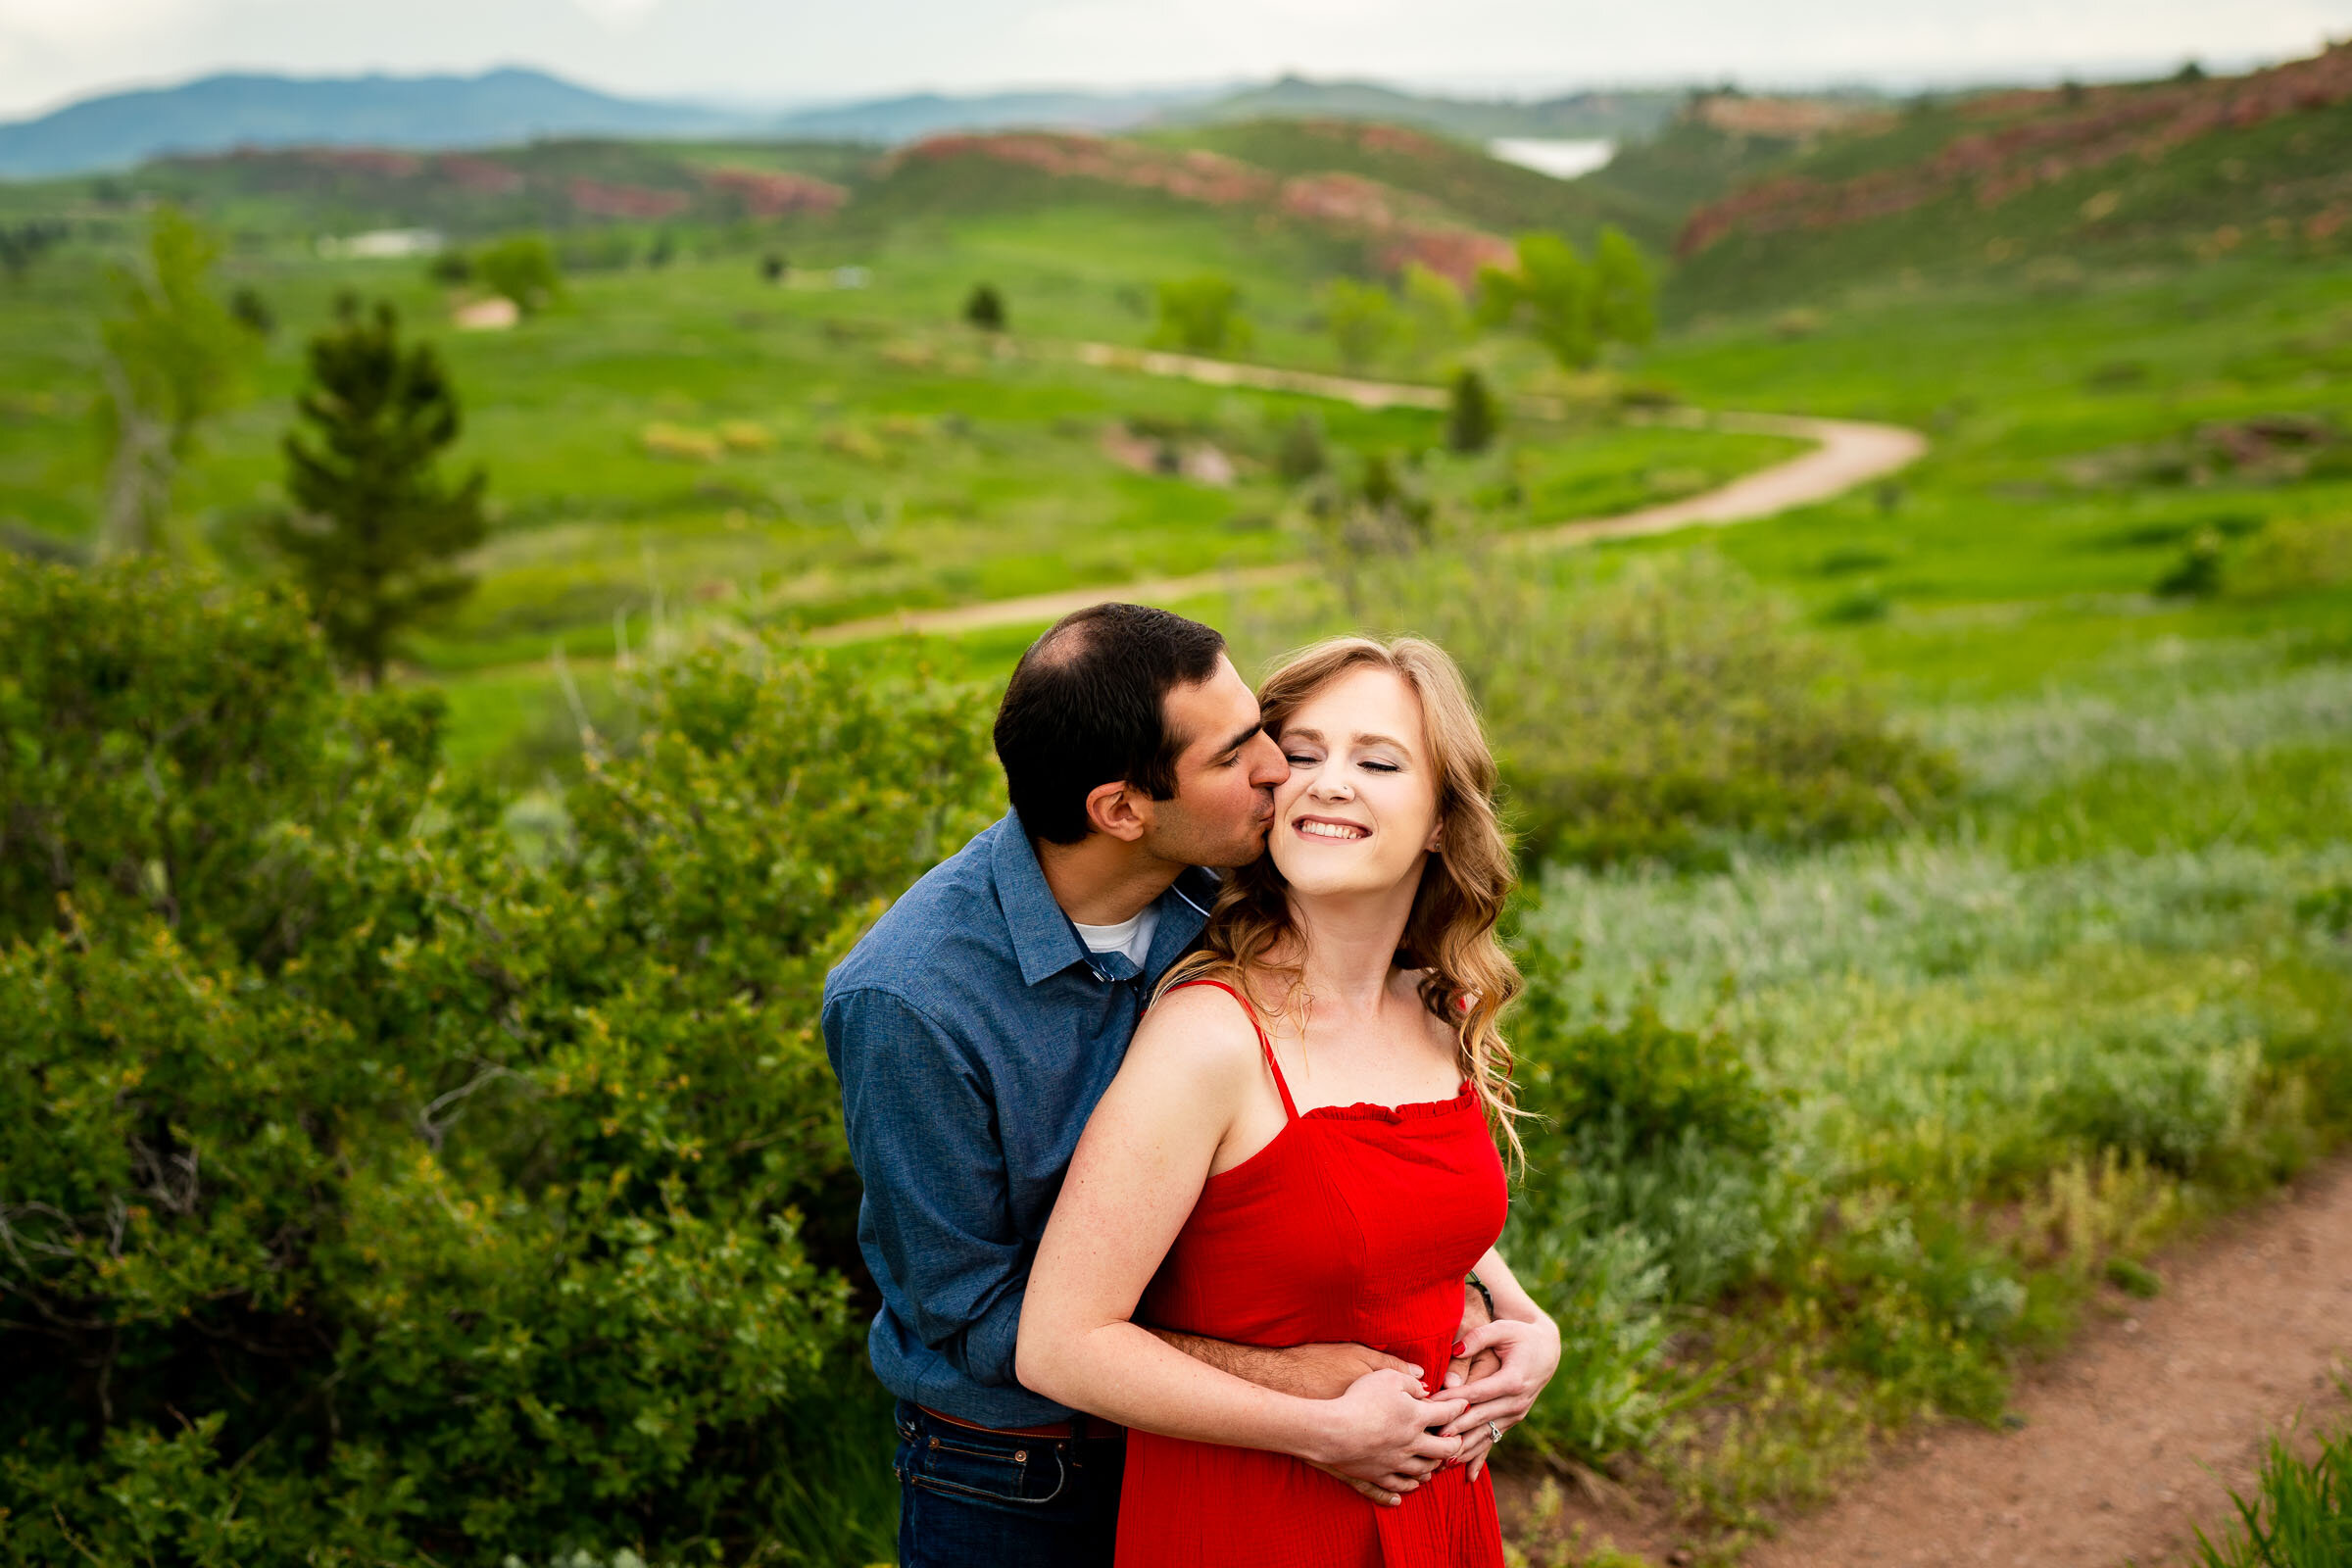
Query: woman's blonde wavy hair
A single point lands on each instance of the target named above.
(1469, 978)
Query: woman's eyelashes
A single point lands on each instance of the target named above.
(1373, 765)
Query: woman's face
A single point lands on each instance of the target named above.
(1359, 812)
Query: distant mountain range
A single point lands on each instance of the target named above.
(118, 130)
(1617, 116)
(217, 113)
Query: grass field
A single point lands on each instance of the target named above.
(696, 441)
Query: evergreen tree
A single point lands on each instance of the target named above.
(1469, 412)
(984, 310)
(373, 530)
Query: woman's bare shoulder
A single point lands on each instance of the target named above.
(1202, 1027)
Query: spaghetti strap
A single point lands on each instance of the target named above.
(1282, 1086)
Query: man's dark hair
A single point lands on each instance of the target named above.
(1088, 705)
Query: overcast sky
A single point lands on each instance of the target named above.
(52, 51)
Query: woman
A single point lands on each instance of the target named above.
(1299, 1149)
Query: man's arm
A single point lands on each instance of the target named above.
(918, 1118)
(1308, 1371)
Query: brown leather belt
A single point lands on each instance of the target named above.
(1088, 1428)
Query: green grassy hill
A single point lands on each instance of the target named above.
(1462, 177)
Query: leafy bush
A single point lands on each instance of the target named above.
(1202, 315)
(1650, 1185)
(2167, 1098)
(1668, 713)
(521, 267)
(2197, 574)
(2295, 556)
(374, 1193)
(1300, 454)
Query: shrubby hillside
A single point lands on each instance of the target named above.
(2040, 185)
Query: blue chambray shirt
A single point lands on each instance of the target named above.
(973, 1034)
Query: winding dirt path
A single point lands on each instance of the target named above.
(1847, 452)
(2139, 1432)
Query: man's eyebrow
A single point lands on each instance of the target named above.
(1239, 741)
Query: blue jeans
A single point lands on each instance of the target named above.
(979, 1499)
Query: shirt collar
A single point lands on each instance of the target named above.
(1044, 941)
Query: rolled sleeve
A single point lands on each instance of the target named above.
(921, 1118)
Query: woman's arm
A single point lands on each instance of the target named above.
(1135, 1178)
(1528, 1342)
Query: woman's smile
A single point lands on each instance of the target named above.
(1329, 827)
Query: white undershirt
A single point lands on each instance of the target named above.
(1131, 937)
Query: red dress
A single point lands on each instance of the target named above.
(1356, 1223)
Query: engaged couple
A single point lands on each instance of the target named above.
(1182, 1109)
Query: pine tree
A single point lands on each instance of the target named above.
(373, 530)
(985, 308)
(1469, 412)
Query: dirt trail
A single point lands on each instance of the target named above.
(2139, 1432)
(1847, 453)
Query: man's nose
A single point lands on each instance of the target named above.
(1271, 767)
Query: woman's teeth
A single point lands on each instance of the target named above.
(1332, 830)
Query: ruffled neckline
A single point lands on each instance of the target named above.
(1366, 1110)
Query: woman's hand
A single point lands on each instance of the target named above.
(1384, 1431)
(1529, 1354)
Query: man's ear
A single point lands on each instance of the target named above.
(1119, 810)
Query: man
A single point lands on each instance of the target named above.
(976, 1025)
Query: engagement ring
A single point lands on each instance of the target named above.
(1496, 1430)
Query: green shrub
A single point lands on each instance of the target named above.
(1644, 1079)
(1923, 1307)
(1202, 315)
(2134, 1279)
(384, 1196)
(1650, 1187)
(1670, 712)
(2168, 1097)
(170, 750)
(2297, 555)
(521, 267)
(2197, 574)
(1300, 453)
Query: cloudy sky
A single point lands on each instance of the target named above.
(812, 50)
